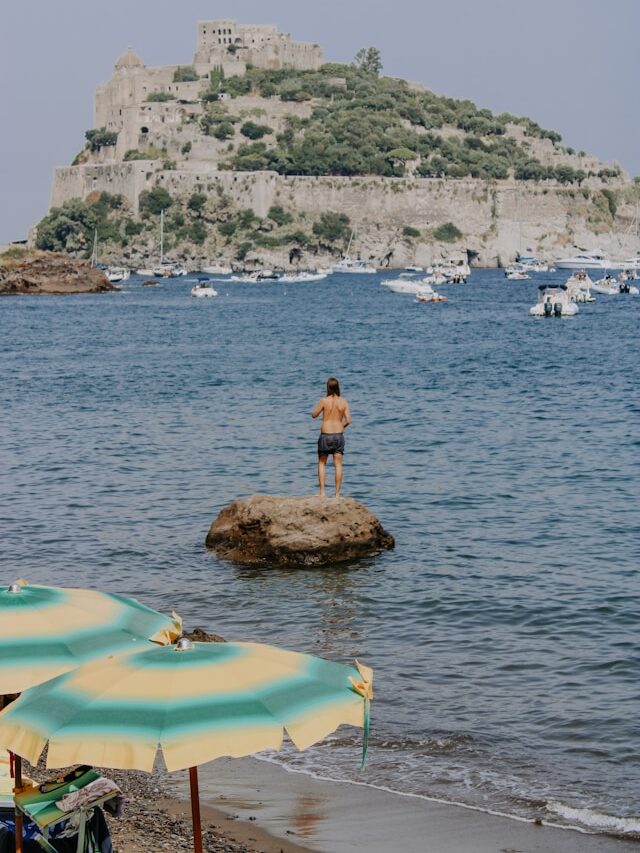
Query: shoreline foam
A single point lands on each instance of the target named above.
(337, 817)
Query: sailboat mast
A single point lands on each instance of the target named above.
(161, 236)
(94, 253)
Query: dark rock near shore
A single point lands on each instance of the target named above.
(199, 635)
(269, 530)
(51, 273)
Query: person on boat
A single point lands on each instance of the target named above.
(336, 417)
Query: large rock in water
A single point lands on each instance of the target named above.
(52, 273)
(269, 530)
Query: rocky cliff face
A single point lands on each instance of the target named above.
(50, 273)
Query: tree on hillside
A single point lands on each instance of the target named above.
(369, 60)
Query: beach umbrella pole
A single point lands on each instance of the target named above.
(17, 770)
(195, 809)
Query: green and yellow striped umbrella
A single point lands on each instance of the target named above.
(193, 701)
(46, 631)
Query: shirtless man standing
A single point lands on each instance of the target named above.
(336, 417)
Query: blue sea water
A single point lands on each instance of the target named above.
(501, 451)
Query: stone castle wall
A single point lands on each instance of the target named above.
(233, 46)
(497, 220)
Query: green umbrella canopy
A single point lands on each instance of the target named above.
(194, 701)
(46, 631)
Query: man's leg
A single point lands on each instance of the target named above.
(322, 472)
(337, 462)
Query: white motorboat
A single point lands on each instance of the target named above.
(414, 269)
(453, 271)
(608, 286)
(516, 272)
(532, 264)
(301, 277)
(422, 290)
(116, 274)
(630, 263)
(553, 301)
(579, 287)
(405, 285)
(257, 277)
(595, 260)
(203, 290)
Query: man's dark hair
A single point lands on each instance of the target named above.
(333, 386)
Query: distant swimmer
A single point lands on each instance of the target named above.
(336, 417)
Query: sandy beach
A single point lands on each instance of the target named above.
(262, 805)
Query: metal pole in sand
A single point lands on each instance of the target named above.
(195, 809)
(17, 788)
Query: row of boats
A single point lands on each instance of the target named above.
(561, 300)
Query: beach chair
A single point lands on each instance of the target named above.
(40, 807)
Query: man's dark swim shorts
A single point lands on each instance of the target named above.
(330, 442)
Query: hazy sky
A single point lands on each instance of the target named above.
(572, 65)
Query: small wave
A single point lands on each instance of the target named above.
(594, 819)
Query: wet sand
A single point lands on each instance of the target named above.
(336, 817)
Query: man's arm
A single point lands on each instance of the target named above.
(319, 407)
(346, 418)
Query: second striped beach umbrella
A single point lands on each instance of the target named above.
(193, 702)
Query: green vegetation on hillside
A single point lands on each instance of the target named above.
(189, 219)
(71, 228)
(363, 124)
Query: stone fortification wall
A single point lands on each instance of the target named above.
(233, 46)
(497, 220)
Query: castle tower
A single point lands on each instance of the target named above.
(231, 46)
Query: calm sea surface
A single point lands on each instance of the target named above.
(501, 451)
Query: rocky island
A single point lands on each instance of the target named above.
(261, 154)
(24, 272)
(311, 531)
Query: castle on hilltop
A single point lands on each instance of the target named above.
(125, 104)
(232, 46)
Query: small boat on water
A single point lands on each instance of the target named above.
(165, 269)
(553, 301)
(428, 294)
(533, 264)
(257, 277)
(625, 286)
(354, 265)
(203, 290)
(414, 269)
(579, 287)
(301, 277)
(516, 272)
(117, 274)
(347, 264)
(404, 285)
(422, 290)
(151, 282)
(608, 286)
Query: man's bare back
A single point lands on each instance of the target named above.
(335, 414)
